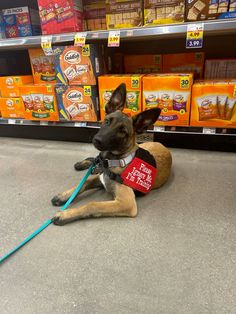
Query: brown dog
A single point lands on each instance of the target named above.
(116, 141)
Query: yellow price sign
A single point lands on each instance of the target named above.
(234, 94)
(87, 91)
(114, 38)
(86, 51)
(46, 44)
(80, 39)
(184, 82)
(135, 81)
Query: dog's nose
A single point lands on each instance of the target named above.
(97, 142)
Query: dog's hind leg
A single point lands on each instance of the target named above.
(84, 164)
(91, 183)
(124, 204)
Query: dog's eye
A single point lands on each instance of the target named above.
(107, 122)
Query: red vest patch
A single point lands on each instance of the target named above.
(139, 175)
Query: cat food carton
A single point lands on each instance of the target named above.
(39, 102)
(172, 94)
(9, 85)
(11, 107)
(42, 66)
(214, 104)
(77, 103)
(78, 65)
(108, 83)
(143, 63)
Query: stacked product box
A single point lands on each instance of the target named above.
(77, 69)
(21, 22)
(124, 14)
(107, 85)
(197, 10)
(11, 105)
(163, 12)
(95, 14)
(172, 94)
(143, 63)
(220, 68)
(214, 104)
(2, 27)
(61, 16)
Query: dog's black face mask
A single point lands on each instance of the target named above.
(117, 133)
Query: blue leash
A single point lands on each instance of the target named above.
(49, 221)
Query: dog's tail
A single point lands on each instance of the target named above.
(84, 164)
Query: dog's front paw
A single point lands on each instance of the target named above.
(59, 219)
(58, 200)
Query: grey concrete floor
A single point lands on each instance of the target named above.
(177, 256)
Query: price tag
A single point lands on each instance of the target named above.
(234, 94)
(184, 82)
(80, 39)
(114, 38)
(80, 124)
(159, 128)
(11, 121)
(129, 33)
(86, 51)
(43, 123)
(209, 131)
(95, 35)
(135, 82)
(46, 44)
(87, 91)
(194, 37)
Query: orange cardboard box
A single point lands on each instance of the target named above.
(11, 107)
(9, 85)
(42, 66)
(192, 62)
(143, 63)
(214, 104)
(171, 93)
(39, 102)
(108, 83)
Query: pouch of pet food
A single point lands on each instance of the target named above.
(207, 107)
(229, 107)
(180, 101)
(221, 102)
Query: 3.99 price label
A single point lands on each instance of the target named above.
(80, 39)
(114, 38)
(194, 37)
(46, 44)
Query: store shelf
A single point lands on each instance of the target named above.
(218, 27)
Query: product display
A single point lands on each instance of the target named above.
(77, 103)
(42, 66)
(39, 102)
(143, 63)
(196, 10)
(124, 14)
(220, 68)
(62, 16)
(172, 94)
(2, 27)
(11, 107)
(213, 104)
(95, 14)
(184, 62)
(21, 22)
(108, 83)
(163, 12)
(78, 65)
(9, 85)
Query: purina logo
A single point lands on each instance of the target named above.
(72, 57)
(74, 95)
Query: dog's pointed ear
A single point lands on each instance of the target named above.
(144, 119)
(117, 100)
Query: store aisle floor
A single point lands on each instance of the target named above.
(177, 256)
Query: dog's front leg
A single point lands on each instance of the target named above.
(92, 183)
(124, 204)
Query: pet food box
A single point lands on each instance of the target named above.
(143, 63)
(39, 102)
(214, 104)
(163, 12)
(9, 85)
(220, 69)
(108, 83)
(95, 14)
(61, 16)
(197, 10)
(11, 107)
(77, 103)
(42, 66)
(124, 14)
(21, 22)
(78, 65)
(172, 94)
(185, 63)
